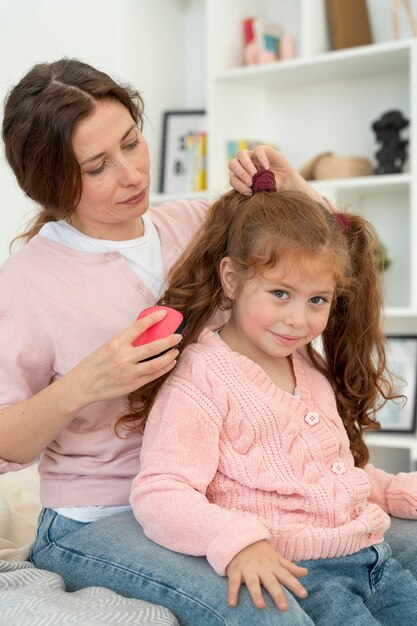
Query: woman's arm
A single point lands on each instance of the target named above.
(112, 371)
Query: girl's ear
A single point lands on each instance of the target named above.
(228, 277)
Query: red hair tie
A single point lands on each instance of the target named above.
(343, 221)
(264, 180)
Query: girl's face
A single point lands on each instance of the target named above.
(280, 310)
(114, 161)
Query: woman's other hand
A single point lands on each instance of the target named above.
(247, 162)
(260, 565)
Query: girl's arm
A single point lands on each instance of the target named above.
(112, 371)
(396, 494)
(244, 166)
(179, 459)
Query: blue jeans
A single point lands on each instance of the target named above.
(402, 538)
(365, 588)
(114, 553)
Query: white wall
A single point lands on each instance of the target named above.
(138, 41)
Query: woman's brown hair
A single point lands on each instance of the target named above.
(40, 116)
(256, 233)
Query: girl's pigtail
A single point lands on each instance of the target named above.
(195, 290)
(354, 341)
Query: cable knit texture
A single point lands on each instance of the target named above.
(229, 459)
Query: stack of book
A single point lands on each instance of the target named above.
(234, 145)
(195, 161)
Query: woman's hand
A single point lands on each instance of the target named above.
(247, 162)
(112, 371)
(259, 564)
(116, 368)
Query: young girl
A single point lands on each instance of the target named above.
(253, 453)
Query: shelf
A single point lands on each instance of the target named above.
(390, 440)
(407, 442)
(402, 312)
(364, 183)
(359, 62)
(400, 321)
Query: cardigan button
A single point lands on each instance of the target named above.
(359, 508)
(312, 418)
(338, 467)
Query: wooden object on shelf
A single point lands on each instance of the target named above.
(348, 23)
(328, 165)
(410, 18)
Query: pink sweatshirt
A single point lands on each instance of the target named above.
(57, 305)
(228, 459)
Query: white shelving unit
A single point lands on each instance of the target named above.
(406, 442)
(322, 101)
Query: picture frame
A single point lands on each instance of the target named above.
(395, 416)
(178, 162)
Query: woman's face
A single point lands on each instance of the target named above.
(114, 160)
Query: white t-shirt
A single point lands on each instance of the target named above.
(144, 256)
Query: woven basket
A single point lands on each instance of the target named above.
(329, 165)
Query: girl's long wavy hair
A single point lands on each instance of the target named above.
(258, 232)
(40, 116)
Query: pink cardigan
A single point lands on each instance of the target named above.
(57, 305)
(229, 459)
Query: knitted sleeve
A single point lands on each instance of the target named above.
(179, 459)
(396, 494)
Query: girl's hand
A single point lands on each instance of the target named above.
(115, 369)
(259, 564)
(247, 162)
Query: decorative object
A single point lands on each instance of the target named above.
(392, 153)
(287, 47)
(261, 41)
(382, 260)
(266, 42)
(395, 416)
(329, 165)
(183, 159)
(410, 18)
(348, 23)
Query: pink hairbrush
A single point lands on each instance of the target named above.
(173, 322)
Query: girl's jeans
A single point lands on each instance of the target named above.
(114, 553)
(368, 587)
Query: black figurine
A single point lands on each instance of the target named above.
(392, 153)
